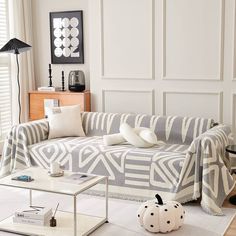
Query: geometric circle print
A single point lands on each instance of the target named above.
(74, 32)
(66, 42)
(58, 52)
(65, 22)
(66, 37)
(57, 42)
(57, 33)
(74, 42)
(65, 32)
(66, 52)
(74, 22)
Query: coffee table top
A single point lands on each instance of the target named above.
(43, 182)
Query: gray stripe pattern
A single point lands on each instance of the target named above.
(176, 130)
(15, 152)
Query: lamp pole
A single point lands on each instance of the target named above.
(18, 83)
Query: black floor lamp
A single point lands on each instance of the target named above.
(16, 46)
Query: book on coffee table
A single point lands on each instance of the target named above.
(30, 221)
(33, 215)
(37, 213)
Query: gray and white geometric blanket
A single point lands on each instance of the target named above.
(181, 171)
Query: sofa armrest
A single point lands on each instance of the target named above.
(15, 151)
(212, 165)
(213, 142)
(34, 131)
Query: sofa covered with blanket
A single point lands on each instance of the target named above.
(191, 164)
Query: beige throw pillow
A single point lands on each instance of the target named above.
(65, 122)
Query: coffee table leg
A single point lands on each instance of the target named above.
(75, 217)
(107, 200)
(30, 197)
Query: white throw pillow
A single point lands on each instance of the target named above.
(65, 122)
(113, 139)
(133, 138)
(146, 134)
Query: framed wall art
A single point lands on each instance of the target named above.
(66, 32)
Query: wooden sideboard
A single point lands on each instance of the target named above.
(36, 101)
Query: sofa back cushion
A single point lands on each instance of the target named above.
(170, 129)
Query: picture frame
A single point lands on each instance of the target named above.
(66, 36)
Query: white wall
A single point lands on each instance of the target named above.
(170, 57)
(41, 46)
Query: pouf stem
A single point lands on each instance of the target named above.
(159, 199)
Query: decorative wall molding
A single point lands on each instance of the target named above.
(234, 46)
(218, 94)
(220, 49)
(220, 24)
(102, 65)
(150, 92)
(233, 112)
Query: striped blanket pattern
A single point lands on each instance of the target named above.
(15, 153)
(193, 164)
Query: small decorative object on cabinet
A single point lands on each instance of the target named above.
(76, 81)
(62, 81)
(158, 216)
(50, 75)
(36, 101)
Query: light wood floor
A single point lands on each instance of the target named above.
(232, 228)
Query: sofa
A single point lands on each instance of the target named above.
(191, 164)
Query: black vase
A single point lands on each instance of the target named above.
(76, 81)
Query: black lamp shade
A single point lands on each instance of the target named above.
(15, 46)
